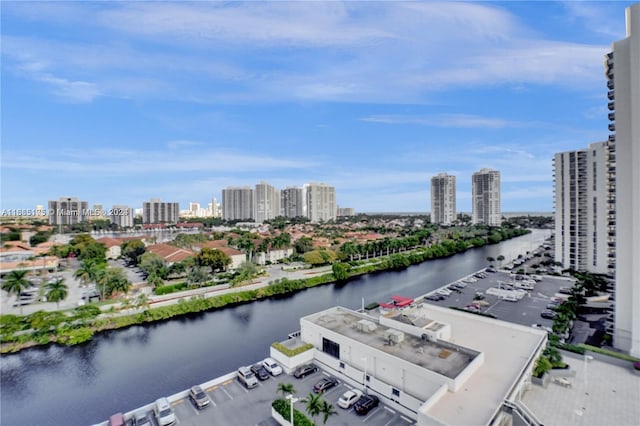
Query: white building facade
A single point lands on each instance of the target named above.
(237, 203)
(443, 199)
(266, 202)
(581, 205)
(157, 211)
(320, 202)
(292, 202)
(122, 216)
(485, 198)
(622, 67)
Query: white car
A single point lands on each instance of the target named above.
(444, 292)
(349, 398)
(164, 412)
(272, 366)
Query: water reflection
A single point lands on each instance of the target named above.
(123, 369)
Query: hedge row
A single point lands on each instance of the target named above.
(291, 352)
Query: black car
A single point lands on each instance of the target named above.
(260, 372)
(304, 371)
(325, 384)
(365, 404)
(548, 314)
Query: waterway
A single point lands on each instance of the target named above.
(123, 369)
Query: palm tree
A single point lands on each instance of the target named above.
(327, 410)
(15, 283)
(286, 388)
(57, 291)
(86, 272)
(314, 404)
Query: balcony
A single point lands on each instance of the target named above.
(612, 138)
(611, 106)
(611, 95)
(612, 127)
(612, 116)
(610, 84)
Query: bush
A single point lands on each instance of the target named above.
(172, 288)
(291, 352)
(610, 353)
(282, 407)
(371, 306)
(74, 336)
(542, 366)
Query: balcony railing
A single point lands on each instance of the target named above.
(610, 84)
(612, 127)
(611, 106)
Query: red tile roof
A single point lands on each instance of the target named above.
(170, 253)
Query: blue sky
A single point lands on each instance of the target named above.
(120, 102)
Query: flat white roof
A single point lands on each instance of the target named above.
(507, 348)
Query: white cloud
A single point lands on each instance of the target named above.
(448, 120)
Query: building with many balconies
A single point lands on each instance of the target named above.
(443, 199)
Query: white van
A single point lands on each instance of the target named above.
(164, 413)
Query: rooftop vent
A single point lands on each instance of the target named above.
(366, 326)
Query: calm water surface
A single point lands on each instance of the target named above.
(122, 370)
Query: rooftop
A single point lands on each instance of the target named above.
(441, 357)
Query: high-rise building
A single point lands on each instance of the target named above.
(266, 202)
(216, 211)
(194, 209)
(68, 211)
(485, 197)
(443, 199)
(581, 204)
(237, 203)
(122, 216)
(346, 211)
(157, 211)
(320, 201)
(622, 68)
(292, 202)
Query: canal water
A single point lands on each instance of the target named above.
(122, 370)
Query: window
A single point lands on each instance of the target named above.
(395, 392)
(368, 378)
(342, 365)
(330, 348)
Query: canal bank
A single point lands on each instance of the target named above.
(122, 370)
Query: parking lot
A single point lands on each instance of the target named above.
(233, 404)
(525, 311)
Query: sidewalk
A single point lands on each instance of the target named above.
(608, 396)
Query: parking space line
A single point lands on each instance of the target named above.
(406, 419)
(228, 381)
(326, 374)
(225, 391)
(195, 410)
(389, 410)
(375, 410)
(212, 388)
(389, 422)
(180, 401)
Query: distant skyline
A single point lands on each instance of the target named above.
(121, 102)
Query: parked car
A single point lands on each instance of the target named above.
(272, 366)
(548, 314)
(349, 398)
(247, 378)
(564, 290)
(325, 384)
(366, 404)
(164, 413)
(492, 270)
(553, 306)
(142, 418)
(199, 397)
(260, 372)
(304, 371)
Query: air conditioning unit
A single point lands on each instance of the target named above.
(393, 336)
(366, 326)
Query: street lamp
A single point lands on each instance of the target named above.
(364, 379)
(587, 358)
(292, 401)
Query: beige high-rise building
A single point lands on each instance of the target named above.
(622, 68)
(320, 202)
(122, 216)
(157, 211)
(266, 202)
(68, 211)
(443, 199)
(485, 198)
(237, 203)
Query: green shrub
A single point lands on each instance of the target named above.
(609, 353)
(282, 407)
(291, 352)
(171, 288)
(567, 347)
(371, 306)
(71, 337)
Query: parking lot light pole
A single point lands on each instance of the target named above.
(364, 379)
(292, 401)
